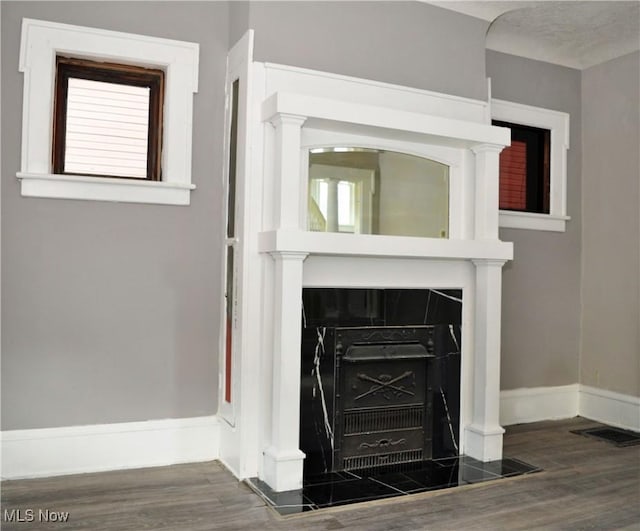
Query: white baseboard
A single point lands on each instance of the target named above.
(610, 408)
(519, 406)
(80, 449)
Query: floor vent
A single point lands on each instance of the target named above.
(616, 436)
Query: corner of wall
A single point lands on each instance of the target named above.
(613, 409)
(522, 406)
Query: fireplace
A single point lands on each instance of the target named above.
(383, 400)
(288, 239)
(379, 377)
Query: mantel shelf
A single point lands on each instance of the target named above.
(434, 129)
(379, 246)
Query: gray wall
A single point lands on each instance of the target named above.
(110, 311)
(406, 43)
(238, 20)
(611, 226)
(541, 287)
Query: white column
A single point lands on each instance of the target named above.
(286, 199)
(283, 459)
(487, 191)
(483, 437)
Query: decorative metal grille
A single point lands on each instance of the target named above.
(383, 419)
(370, 461)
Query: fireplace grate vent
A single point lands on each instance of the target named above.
(383, 419)
(371, 461)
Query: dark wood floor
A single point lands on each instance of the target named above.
(586, 484)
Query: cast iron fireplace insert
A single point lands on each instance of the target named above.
(383, 396)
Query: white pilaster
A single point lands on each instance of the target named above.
(287, 194)
(283, 459)
(487, 191)
(484, 435)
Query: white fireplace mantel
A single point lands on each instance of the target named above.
(283, 112)
(373, 245)
(333, 113)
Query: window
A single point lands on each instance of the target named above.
(533, 171)
(524, 169)
(161, 74)
(347, 213)
(107, 120)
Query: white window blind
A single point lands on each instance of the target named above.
(107, 129)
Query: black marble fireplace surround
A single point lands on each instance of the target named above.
(420, 331)
(380, 377)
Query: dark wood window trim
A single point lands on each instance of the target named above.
(537, 167)
(110, 73)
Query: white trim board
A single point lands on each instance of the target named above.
(614, 409)
(519, 406)
(95, 448)
(80, 449)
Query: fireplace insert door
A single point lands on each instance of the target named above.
(383, 401)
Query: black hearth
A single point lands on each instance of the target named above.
(380, 377)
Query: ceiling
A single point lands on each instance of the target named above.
(577, 34)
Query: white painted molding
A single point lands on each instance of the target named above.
(483, 442)
(486, 191)
(283, 460)
(370, 92)
(520, 406)
(104, 189)
(40, 42)
(79, 449)
(608, 407)
(283, 470)
(433, 129)
(377, 245)
(287, 212)
(532, 221)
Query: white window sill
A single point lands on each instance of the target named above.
(104, 189)
(532, 221)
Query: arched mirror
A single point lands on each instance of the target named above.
(371, 191)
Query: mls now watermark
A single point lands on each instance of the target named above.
(34, 515)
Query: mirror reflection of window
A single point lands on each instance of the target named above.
(367, 191)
